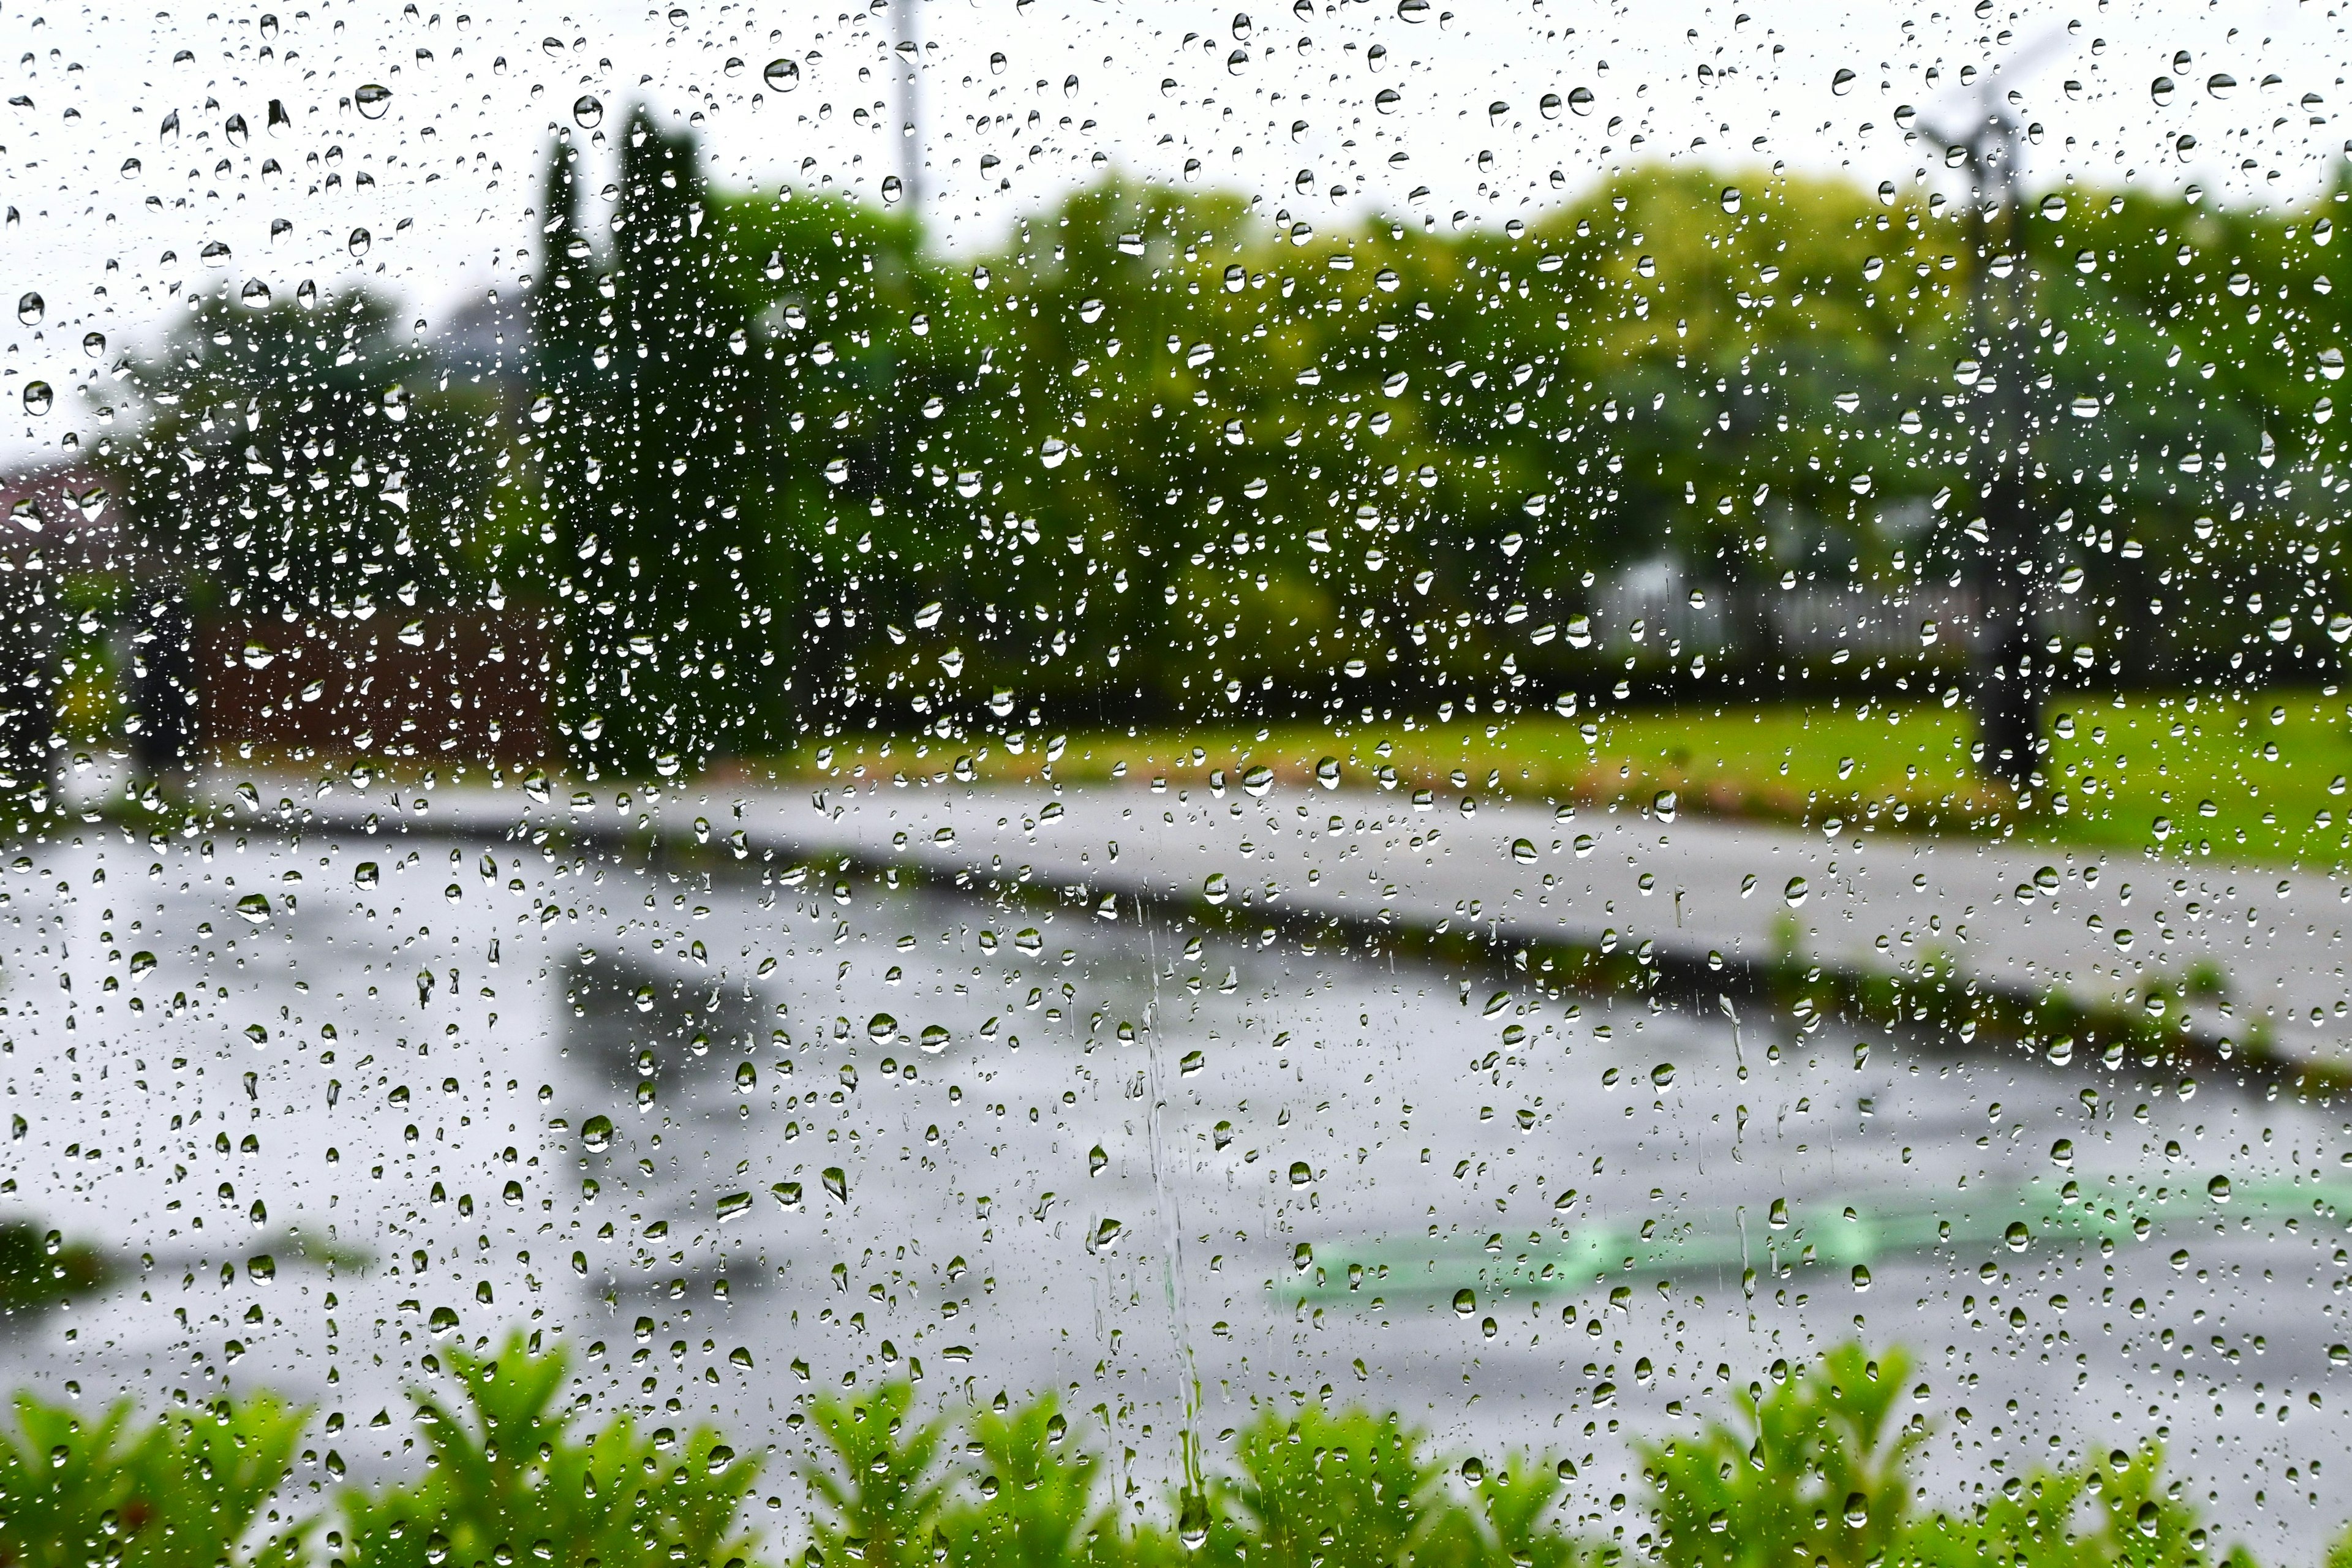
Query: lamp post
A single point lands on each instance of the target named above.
(2008, 674)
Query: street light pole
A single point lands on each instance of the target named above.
(910, 109)
(2007, 676)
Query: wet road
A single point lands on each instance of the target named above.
(674, 1112)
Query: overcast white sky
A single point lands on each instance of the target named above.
(111, 209)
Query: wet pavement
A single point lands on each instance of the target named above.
(669, 1110)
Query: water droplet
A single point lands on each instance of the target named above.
(933, 1039)
(1795, 891)
(588, 112)
(1523, 850)
(1664, 803)
(1299, 1173)
(781, 75)
(1841, 83)
(235, 130)
(359, 242)
(254, 295)
(1097, 1158)
(892, 189)
(881, 1027)
(1214, 888)
(2147, 1518)
(30, 309)
(1327, 773)
(131, 167)
(596, 1133)
(2017, 1235)
(836, 1182)
(1192, 1518)
(2160, 89)
(214, 253)
(1053, 452)
(372, 100)
(1465, 1301)
(38, 396)
(1549, 106)
(2217, 1189)
(1579, 101)
(1860, 1281)
(1731, 199)
(1663, 1074)
(254, 907)
(2053, 206)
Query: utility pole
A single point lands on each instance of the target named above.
(2008, 674)
(910, 108)
(2005, 681)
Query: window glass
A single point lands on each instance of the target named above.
(1022, 782)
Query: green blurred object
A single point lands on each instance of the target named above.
(879, 1498)
(185, 1492)
(1815, 1464)
(511, 1476)
(40, 1269)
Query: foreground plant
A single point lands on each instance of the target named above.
(185, 1492)
(509, 1479)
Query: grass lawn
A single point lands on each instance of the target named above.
(2251, 775)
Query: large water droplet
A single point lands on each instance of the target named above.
(39, 396)
(1795, 891)
(30, 307)
(1731, 199)
(372, 100)
(1841, 83)
(359, 242)
(783, 75)
(588, 112)
(881, 1027)
(254, 295)
(1465, 1301)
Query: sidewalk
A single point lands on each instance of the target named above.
(2022, 918)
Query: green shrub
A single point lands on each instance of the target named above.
(2117, 1514)
(1039, 1504)
(507, 1479)
(1816, 1466)
(879, 1499)
(182, 1492)
(1353, 1490)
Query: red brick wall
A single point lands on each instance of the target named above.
(459, 686)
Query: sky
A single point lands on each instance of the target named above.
(141, 160)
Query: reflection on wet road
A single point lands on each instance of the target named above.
(750, 1132)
